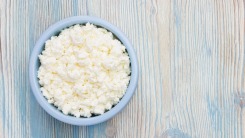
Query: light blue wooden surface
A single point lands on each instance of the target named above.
(191, 58)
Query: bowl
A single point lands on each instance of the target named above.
(34, 64)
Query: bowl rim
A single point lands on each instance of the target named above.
(33, 68)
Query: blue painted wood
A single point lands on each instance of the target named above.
(191, 58)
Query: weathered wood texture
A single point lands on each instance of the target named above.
(191, 58)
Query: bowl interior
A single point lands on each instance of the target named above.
(34, 65)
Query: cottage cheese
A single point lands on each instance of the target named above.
(84, 70)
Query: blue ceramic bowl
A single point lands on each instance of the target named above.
(35, 63)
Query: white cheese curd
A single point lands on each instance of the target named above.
(84, 70)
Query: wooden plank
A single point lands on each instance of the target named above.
(1, 86)
(191, 58)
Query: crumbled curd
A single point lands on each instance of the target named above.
(84, 70)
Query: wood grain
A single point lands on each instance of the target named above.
(191, 58)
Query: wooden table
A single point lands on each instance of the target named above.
(191, 59)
